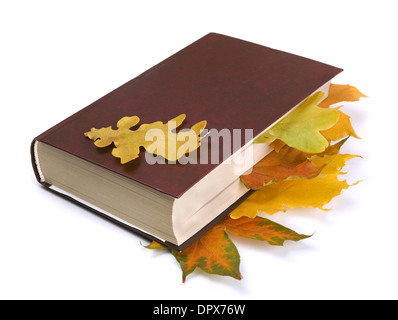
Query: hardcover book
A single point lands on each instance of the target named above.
(234, 85)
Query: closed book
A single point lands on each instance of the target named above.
(234, 85)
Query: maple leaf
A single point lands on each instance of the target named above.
(288, 163)
(262, 229)
(339, 93)
(170, 145)
(215, 253)
(155, 245)
(300, 129)
(341, 129)
(315, 192)
(272, 198)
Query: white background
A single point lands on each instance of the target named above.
(59, 56)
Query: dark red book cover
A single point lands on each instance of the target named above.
(228, 82)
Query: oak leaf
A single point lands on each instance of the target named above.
(342, 128)
(170, 145)
(300, 129)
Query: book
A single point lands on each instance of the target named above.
(234, 85)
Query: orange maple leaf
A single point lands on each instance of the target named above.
(339, 93)
(287, 164)
(215, 253)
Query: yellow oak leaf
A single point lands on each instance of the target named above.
(300, 129)
(157, 138)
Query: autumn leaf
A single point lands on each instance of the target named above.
(339, 93)
(155, 245)
(262, 229)
(288, 163)
(215, 253)
(341, 129)
(277, 145)
(300, 129)
(289, 177)
(316, 193)
(157, 138)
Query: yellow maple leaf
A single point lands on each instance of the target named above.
(339, 93)
(341, 129)
(305, 193)
(300, 129)
(157, 138)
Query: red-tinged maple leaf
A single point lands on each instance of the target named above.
(215, 253)
(279, 166)
(287, 164)
(263, 229)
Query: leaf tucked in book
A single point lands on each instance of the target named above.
(343, 127)
(288, 164)
(157, 138)
(315, 192)
(341, 92)
(215, 253)
(304, 193)
(301, 128)
(304, 170)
